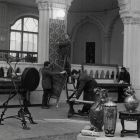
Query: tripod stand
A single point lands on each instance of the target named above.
(16, 88)
(23, 111)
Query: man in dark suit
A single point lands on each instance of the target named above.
(47, 83)
(85, 84)
(123, 78)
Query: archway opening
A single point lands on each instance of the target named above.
(102, 16)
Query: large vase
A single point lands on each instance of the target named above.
(110, 117)
(131, 103)
(96, 111)
(96, 116)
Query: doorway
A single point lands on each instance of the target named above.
(90, 52)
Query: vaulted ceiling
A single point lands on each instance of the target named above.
(77, 5)
(93, 5)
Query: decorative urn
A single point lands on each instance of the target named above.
(96, 111)
(131, 103)
(110, 117)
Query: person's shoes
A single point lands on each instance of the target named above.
(45, 107)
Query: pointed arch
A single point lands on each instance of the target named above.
(99, 26)
(87, 19)
(111, 27)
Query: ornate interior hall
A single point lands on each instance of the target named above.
(97, 36)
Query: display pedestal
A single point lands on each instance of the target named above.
(129, 116)
(81, 137)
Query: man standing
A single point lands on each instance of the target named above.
(47, 83)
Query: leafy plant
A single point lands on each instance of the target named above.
(101, 94)
(129, 91)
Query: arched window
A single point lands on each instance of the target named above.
(24, 35)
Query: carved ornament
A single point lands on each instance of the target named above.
(131, 20)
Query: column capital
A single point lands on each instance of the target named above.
(49, 4)
(130, 10)
(124, 5)
(131, 20)
(65, 2)
(43, 4)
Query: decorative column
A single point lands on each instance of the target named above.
(47, 12)
(43, 39)
(130, 14)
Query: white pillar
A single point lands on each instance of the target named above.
(43, 41)
(46, 8)
(130, 14)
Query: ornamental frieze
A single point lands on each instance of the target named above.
(43, 5)
(131, 20)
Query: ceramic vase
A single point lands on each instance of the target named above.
(96, 116)
(131, 103)
(96, 111)
(110, 117)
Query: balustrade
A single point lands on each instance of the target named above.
(99, 72)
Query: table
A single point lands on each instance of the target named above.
(129, 116)
(115, 87)
(109, 86)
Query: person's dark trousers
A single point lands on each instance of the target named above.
(88, 96)
(121, 95)
(46, 97)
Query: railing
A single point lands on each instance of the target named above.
(106, 73)
(20, 56)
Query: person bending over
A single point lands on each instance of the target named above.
(85, 84)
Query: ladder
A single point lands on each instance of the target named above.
(70, 88)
